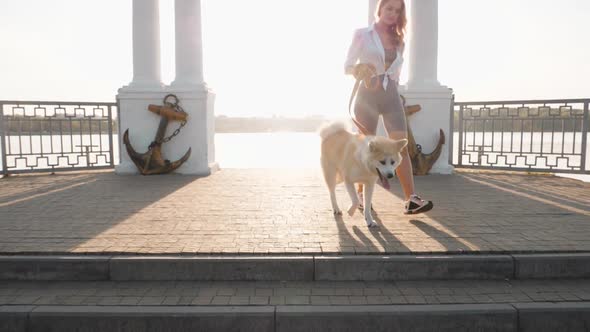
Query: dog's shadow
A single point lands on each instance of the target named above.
(346, 238)
(386, 239)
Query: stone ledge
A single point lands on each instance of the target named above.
(547, 266)
(481, 317)
(65, 267)
(14, 318)
(546, 317)
(368, 268)
(538, 317)
(293, 268)
(62, 318)
(216, 268)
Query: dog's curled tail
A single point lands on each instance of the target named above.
(330, 129)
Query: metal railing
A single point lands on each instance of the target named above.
(39, 136)
(529, 135)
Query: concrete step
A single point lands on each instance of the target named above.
(537, 317)
(301, 268)
(154, 293)
(475, 305)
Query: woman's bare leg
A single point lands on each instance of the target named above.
(404, 171)
(405, 175)
(413, 203)
(396, 126)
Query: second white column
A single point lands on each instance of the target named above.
(195, 96)
(189, 54)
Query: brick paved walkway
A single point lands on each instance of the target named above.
(286, 212)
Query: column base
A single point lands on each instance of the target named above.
(431, 90)
(130, 169)
(198, 134)
(135, 117)
(442, 169)
(126, 168)
(435, 114)
(210, 169)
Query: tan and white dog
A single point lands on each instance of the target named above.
(354, 158)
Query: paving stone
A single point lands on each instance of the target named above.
(507, 213)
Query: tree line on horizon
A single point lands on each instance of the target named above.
(40, 125)
(480, 121)
(519, 119)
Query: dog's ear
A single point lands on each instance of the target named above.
(372, 146)
(400, 144)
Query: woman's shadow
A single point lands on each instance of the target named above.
(450, 242)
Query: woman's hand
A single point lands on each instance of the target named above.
(363, 71)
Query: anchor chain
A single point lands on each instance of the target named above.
(176, 108)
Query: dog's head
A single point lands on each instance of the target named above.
(385, 156)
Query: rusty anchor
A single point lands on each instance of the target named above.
(152, 162)
(421, 162)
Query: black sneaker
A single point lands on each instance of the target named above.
(417, 205)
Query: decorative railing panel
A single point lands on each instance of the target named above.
(56, 136)
(534, 135)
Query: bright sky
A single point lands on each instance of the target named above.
(288, 61)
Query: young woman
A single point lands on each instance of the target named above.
(376, 57)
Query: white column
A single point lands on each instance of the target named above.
(189, 50)
(424, 44)
(146, 45)
(195, 96)
(423, 87)
(146, 86)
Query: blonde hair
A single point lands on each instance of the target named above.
(398, 31)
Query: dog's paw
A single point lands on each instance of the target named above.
(352, 209)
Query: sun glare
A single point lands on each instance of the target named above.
(286, 62)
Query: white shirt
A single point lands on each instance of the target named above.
(367, 48)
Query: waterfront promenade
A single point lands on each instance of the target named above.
(281, 211)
